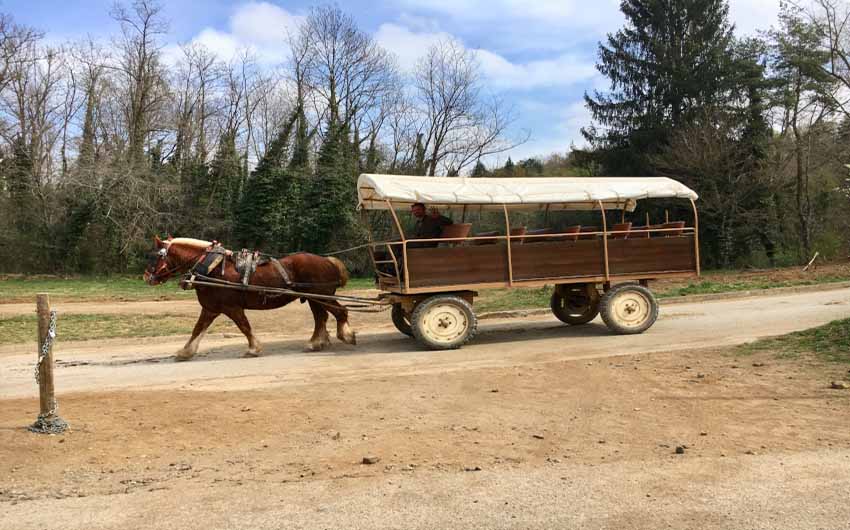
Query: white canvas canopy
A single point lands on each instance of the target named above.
(563, 193)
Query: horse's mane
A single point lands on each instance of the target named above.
(191, 242)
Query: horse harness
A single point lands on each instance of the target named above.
(246, 262)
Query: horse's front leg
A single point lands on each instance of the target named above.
(204, 320)
(237, 315)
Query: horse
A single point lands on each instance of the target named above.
(308, 272)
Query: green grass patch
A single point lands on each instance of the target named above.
(830, 342)
(712, 287)
(73, 327)
(507, 299)
(89, 288)
(108, 288)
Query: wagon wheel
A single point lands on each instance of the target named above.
(401, 320)
(575, 304)
(629, 308)
(444, 322)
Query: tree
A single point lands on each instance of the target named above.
(806, 94)
(459, 125)
(331, 191)
(666, 65)
(480, 170)
(139, 64)
(827, 19)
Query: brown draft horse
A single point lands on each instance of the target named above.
(311, 273)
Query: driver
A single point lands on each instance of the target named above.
(427, 226)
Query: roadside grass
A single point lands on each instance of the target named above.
(712, 287)
(76, 327)
(107, 288)
(830, 342)
(507, 299)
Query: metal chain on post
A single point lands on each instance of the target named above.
(45, 348)
(49, 422)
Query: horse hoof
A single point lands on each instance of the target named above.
(319, 346)
(182, 358)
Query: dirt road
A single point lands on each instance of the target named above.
(535, 425)
(382, 351)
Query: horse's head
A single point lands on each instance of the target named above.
(173, 256)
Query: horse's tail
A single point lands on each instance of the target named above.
(343, 272)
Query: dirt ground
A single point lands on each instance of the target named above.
(556, 434)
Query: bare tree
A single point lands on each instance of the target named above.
(460, 124)
(349, 74)
(194, 88)
(139, 63)
(830, 20)
(14, 39)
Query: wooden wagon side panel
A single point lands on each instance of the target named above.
(457, 265)
(658, 254)
(557, 259)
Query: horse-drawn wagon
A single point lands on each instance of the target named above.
(598, 264)
(600, 268)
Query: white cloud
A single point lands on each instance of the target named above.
(562, 70)
(408, 45)
(559, 24)
(565, 131)
(260, 27)
(578, 14)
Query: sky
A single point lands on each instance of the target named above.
(538, 56)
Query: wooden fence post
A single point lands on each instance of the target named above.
(48, 420)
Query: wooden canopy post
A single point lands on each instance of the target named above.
(48, 421)
(370, 238)
(696, 235)
(403, 244)
(604, 240)
(508, 239)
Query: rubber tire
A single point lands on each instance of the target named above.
(426, 305)
(606, 308)
(400, 320)
(563, 314)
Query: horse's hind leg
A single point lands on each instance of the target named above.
(237, 315)
(320, 337)
(343, 330)
(204, 320)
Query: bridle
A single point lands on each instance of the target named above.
(163, 276)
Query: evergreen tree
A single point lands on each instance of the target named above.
(508, 170)
(666, 65)
(256, 216)
(21, 186)
(332, 190)
(419, 151)
(532, 167)
(221, 188)
(480, 170)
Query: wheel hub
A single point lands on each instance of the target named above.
(631, 309)
(444, 323)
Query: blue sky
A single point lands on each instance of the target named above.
(537, 55)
